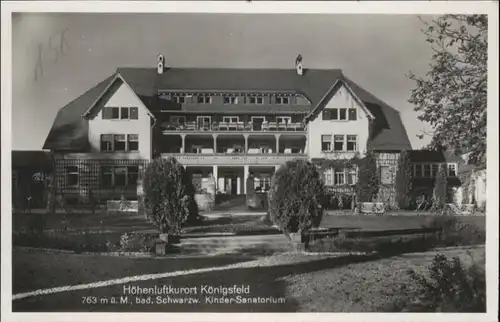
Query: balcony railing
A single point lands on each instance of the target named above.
(234, 158)
(235, 126)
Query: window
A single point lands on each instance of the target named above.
(351, 142)
(351, 176)
(132, 174)
(338, 144)
(284, 119)
(385, 175)
(119, 176)
(256, 100)
(326, 143)
(418, 170)
(230, 119)
(334, 114)
(427, 171)
(133, 142)
(204, 122)
(120, 143)
(178, 120)
(134, 113)
(328, 177)
(179, 99)
(110, 113)
(204, 99)
(124, 115)
(452, 171)
(262, 183)
(72, 176)
(230, 100)
(434, 169)
(106, 142)
(282, 100)
(107, 176)
(352, 114)
(115, 113)
(342, 114)
(120, 113)
(339, 177)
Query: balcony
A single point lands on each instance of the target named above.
(240, 159)
(233, 127)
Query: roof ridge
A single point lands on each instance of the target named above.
(229, 68)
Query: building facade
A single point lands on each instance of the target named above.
(229, 124)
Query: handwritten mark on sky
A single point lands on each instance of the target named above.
(56, 47)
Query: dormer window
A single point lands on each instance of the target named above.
(230, 100)
(204, 99)
(179, 99)
(282, 100)
(256, 100)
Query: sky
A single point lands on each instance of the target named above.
(78, 50)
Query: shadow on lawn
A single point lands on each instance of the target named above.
(264, 283)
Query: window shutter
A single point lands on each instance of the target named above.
(352, 114)
(106, 113)
(327, 115)
(134, 113)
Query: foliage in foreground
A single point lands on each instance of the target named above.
(368, 183)
(296, 197)
(169, 195)
(440, 192)
(452, 96)
(403, 184)
(450, 286)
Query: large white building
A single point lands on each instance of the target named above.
(228, 123)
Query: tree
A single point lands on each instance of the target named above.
(168, 195)
(452, 95)
(368, 178)
(296, 197)
(440, 193)
(404, 177)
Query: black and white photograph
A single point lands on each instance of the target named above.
(249, 162)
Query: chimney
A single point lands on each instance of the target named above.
(298, 65)
(160, 64)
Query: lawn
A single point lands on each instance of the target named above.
(35, 269)
(306, 283)
(370, 222)
(382, 285)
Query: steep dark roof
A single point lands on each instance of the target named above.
(314, 83)
(390, 133)
(69, 131)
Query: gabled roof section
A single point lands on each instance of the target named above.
(113, 86)
(69, 130)
(331, 92)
